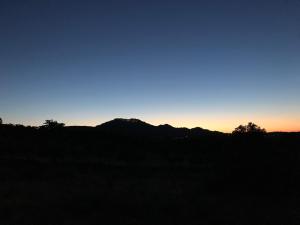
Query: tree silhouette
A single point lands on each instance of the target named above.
(250, 128)
(52, 124)
(1, 121)
(240, 129)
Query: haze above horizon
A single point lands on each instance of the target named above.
(213, 64)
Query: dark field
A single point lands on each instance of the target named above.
(45, 193)
(88, 177)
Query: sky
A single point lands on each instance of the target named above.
(214, 64)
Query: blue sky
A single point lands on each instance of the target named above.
(213, 64)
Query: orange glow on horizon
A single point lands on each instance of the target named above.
(215, 121)
(226, 124)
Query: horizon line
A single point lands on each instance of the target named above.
(67, 124)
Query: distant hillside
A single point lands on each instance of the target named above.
(120, 123)
(138, 127)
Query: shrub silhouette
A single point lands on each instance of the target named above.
(52, 124)
(250, 128)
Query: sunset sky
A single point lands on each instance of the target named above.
(212, 63)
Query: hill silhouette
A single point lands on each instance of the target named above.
(139, 128)
(127, 127)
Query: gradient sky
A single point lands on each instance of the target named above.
(211, 63)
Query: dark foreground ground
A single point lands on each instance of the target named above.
(44, 193)
(58, 179)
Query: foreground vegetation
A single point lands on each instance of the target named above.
(132, 173)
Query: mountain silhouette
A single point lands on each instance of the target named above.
(136, 127)
(120, 123)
